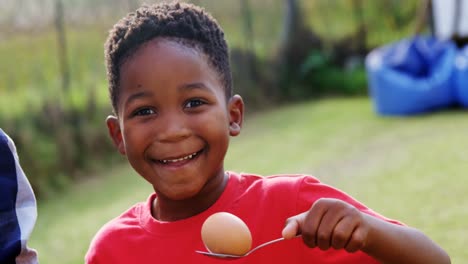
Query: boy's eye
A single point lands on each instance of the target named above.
(193, 103)
(144, 112)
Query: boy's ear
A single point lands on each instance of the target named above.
(115, 133)
(236, 114)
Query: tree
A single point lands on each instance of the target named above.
(296, 44)
(247, 19)
(62, 45)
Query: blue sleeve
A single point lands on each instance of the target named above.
(18, 211)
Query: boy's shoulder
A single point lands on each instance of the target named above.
(278, 180)
(303, 188)
(117, 226)
(277, 184)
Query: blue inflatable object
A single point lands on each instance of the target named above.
(412, 76)
(461, 77)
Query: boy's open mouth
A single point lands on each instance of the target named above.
(188, 157)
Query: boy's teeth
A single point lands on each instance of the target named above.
(179, 159)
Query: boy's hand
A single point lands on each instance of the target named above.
(330, 223)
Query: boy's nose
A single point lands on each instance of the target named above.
(173, 128)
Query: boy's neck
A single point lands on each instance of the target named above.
(164, 209)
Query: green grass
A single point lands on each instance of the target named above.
(66, 224)
(411, 169)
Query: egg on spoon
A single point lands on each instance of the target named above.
(225, 233)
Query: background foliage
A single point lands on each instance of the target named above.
(53, 92)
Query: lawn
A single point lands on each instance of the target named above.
(411, 169)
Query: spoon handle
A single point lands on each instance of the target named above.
(265, 244)
(228, 256)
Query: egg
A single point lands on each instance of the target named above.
(226, 233)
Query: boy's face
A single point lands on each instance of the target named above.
(174, 121)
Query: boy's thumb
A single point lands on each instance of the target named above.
(292, 227)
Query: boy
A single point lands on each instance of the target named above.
(171, 91)
(17, 207)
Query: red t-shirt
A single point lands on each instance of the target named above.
(264, 203)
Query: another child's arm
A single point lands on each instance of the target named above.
(332, 223)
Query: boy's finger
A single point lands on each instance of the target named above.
(334, 213)
(342, 233)
(325, 229)
(357, 240)
(312, 221)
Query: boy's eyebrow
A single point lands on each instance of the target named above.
(188, 86)
(193, 86)
(136, 96)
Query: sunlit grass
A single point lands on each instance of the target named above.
(67, 223)
(411, 169)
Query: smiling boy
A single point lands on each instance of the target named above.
(174, 124)
(174, 112)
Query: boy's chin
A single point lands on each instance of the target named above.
(180, 195)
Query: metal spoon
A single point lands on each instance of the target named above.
(228, 256)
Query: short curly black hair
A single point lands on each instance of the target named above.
(184, 22)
